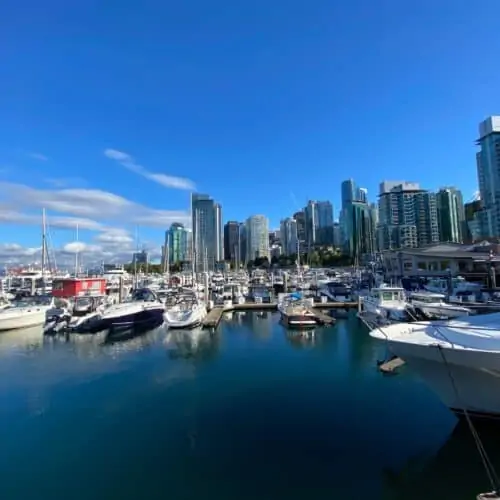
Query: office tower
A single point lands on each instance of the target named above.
(348, 188)
(208, 247)
(288, 231)
(451, 215)
(362, 195)
(318, 223)
(300, 219)
(488, 173)
(257, 237)
(407, 216)
(473, 227)
(179, 243)
(232, 241)
(243, 243)
(337, 235)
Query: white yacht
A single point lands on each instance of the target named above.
(295, 313)
(434, 306)
(386, 303)
(31, 311)
(458, 359)
(458, 286)
(187, 312)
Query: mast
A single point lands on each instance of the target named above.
(76, 254)
(44, 249)
(167, 255)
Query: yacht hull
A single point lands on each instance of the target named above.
(298, 321)
(462, 379)
(189, 320)
(147, 318)
(24, 320)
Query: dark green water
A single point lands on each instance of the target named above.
(246, 413)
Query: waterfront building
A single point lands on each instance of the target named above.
(288, 231)
(451, 215)
(257, 237)
(488, 173)
(208, 246)
(407, 216)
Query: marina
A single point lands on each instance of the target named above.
(211, 413)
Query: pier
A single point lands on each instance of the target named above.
(214, 317)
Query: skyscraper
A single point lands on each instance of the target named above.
(288, 232)
(232, 241)
(488, 173)
(207, 232)
(179, 243)
(300, 218)
(407, 216)
(318, 223)
(257, 237)
(451, 215)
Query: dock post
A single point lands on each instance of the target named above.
(206, 288)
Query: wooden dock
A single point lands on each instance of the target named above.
(391, 366)
(323, 318)
(212, 319)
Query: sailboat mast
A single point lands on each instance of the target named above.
(76, 253)
(167, 255)
(44, 249)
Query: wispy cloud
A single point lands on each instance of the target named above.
(65, 182)
(129, 163)
(38, 156)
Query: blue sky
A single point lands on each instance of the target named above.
(261, 104)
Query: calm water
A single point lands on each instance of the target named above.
(247, 413)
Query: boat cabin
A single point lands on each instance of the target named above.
(388, 294)
(78, 287)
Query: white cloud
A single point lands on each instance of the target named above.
(88, 209)
(85, 205)
(38, 156)
(129, 162)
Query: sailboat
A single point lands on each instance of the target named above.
(31, 311)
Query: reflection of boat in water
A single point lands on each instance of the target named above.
(21, 339)
(301, 338)
(190, 343)
(439, 476)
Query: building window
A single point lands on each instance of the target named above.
(445, 265)
(422, 266)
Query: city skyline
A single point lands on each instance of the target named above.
(112, 137)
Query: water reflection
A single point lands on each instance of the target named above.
(21, 340)
(303, 338)
(456, 467)
(191, 344)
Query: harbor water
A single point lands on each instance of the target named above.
(252, 411)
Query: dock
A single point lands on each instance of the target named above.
(323, 318)
(391, 366)
(214, 317)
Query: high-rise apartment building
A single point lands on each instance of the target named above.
(208, 246)
(232, 241)
(257, 237)
(179, 243)
(407, 216)
(318, 223)
(451, 215)
(288, 232)
(300, 218)
(488, 173)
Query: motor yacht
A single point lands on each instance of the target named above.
(295, 313)
(187, 312)
(30, 311)
(387, 304)
(458, 359)
(142, 309)
(434, 306)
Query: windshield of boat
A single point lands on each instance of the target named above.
(32, 301)
(143, 294)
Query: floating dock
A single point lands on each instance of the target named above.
(391, 366)
(214, 317)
